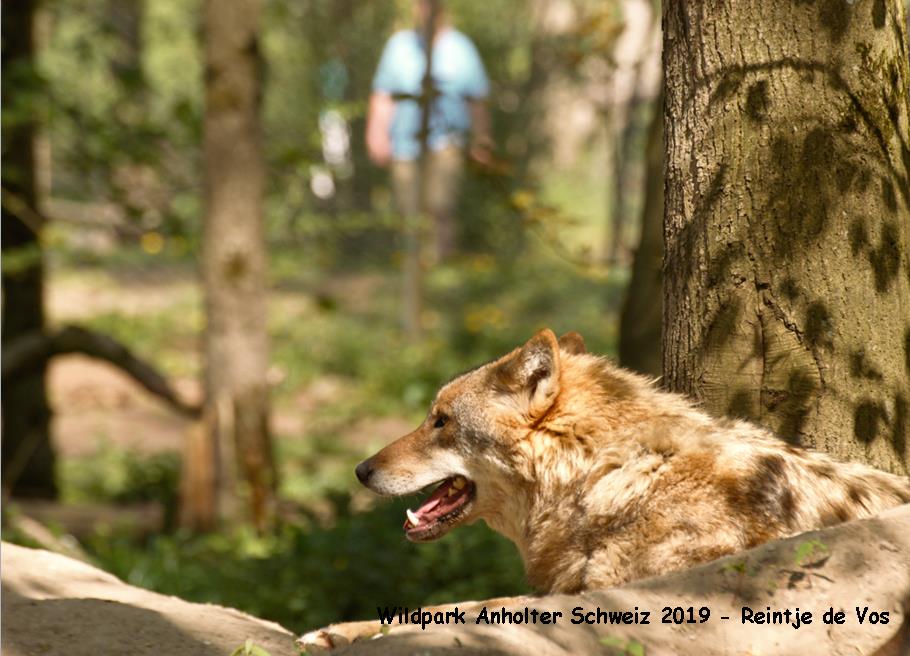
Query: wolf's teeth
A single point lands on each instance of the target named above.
(458, 483)
(452, 491)
(414, 519)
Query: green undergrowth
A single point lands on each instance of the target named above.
(305, 575)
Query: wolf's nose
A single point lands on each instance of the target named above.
(364, 470)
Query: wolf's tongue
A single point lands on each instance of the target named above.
(446, 497)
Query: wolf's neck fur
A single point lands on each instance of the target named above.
(621, 481)
(604, 426)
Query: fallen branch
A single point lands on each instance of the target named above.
(35, 348)
(82, 520)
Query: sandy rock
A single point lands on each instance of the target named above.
(860, 564)
(57, 606)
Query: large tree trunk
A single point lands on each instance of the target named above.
(28, 458)
(234, 475)
(787, 226)
(640, 321)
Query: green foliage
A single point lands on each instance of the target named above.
(124, 109)
(477, 309)
(119, 475)
(621, 647)
(739, 567)
(306, 575)
(810, 553)
(249, 648)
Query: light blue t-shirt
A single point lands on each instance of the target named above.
(458, 74)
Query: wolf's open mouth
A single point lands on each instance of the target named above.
(448, 504)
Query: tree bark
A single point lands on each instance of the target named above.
(26, 414)
(787, 225)
(235, 466)
(640, 321)
(415, 227)
(125, 21)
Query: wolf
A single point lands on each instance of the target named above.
(600, 478)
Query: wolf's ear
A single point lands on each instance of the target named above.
(573, 342)
(532, 373)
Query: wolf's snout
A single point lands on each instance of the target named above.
(364, 470)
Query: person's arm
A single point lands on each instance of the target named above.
(379, 120)
(481, 149)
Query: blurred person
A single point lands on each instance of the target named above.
(458, 120)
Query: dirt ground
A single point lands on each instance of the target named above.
(56, 606)
(94, 402)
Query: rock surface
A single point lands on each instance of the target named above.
(58, 606)
(865, 563)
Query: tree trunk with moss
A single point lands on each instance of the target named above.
(787, 226)
(233, 475)
(28, 457)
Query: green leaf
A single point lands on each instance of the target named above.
(629, 647)
(249, 648)
(811, 552)
(635, 648)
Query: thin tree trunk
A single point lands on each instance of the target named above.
(787, 227)
(414, 231)
(28, 457)
(624, 176)
(236, 452)
(125, 20)
(43, 154)
(640, 321)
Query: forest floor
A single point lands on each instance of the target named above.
(95, 402)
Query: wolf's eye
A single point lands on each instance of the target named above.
(440, 421)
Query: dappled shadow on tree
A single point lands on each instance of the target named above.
(818, 161)
(679, 251)
(724, 323)
(862, 367)
(728, 81)
(818, 326)
(719, 265)
(793, 404)
(872, 419)
(831, 160)
(833, 15)
(907, 352)
(900, 424)
(741, 406)
(884, 258)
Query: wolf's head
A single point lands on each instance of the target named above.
(475, 444)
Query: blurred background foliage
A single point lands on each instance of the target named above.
(119, 171)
